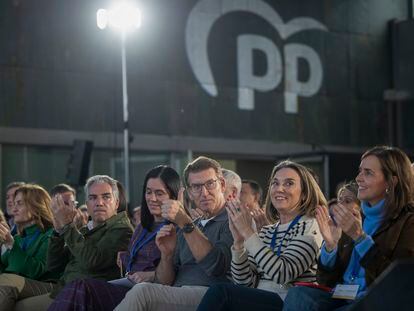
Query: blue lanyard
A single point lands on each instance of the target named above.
(140, 243)
(273, 243)
(27, 241)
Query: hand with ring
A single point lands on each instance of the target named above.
(240, 219)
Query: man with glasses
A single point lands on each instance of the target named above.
(193, 256)
(82, 252)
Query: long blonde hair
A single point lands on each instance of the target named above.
(38, 201)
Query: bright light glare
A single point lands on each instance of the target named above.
(102, 18)
(123, 16)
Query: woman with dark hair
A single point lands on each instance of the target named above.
(139, 262)
(366, 247)
(23, 270)
(265, 265)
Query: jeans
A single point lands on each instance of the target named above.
(239, 298)
(312, 299)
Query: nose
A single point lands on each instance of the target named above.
(279, 188)
(152, 196)
(204, 191)
(99, 200)
(358, 177)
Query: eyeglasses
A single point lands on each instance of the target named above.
(209, 185)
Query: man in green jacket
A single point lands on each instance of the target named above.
(86, 252)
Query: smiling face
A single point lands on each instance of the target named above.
(101, 202)
(371, 180)
(206, 190)
(155, 194)
(285, 192)
(20, 211)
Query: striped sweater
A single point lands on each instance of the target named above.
(258, 266)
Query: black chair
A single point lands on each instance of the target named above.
(392, 290)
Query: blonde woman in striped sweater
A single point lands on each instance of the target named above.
(264, 265)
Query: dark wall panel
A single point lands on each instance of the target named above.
(59, 71)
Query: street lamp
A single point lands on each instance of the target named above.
(124, 17)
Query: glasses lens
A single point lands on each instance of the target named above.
(211, 184)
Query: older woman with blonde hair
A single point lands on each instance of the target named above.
(23, 257)
(266, 264)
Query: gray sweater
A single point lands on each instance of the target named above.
(214, 267)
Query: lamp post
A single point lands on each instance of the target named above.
(125, 18)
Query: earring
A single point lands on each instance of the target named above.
(387, 190)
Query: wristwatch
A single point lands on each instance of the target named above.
(188, 227)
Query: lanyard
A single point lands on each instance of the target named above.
(27, 241)
(140, 243)
(273, 243)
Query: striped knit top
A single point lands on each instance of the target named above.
(257, 265)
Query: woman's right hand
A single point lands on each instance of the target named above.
(166, 240)
(5, 235)
(238, 239)
(330, 232)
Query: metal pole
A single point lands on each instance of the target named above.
(126, 117)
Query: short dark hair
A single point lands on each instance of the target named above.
(171, 180)
(61, 188)
(255, 188)
(201, 164)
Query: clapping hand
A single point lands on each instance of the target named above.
(5, 234)
(240, 220)
(259, 217)
(63, 213)
(331, 233)
(166, 240)
(348, 219)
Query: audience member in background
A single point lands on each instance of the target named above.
(251, 197)
(348, 198)
(233, 184)
(266, 265)
(123, 204)
(356, 251)
(85, 253)
(83, 214)
(23, 257)
(139, 263)
(136, 216)
(251, 194)
(195, 257)
(10, 190)
(68, 195)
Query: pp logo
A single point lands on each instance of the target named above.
(206, 12)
